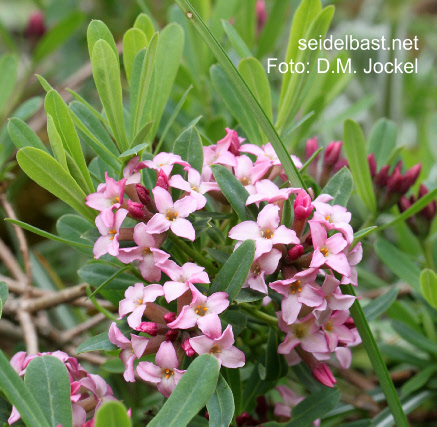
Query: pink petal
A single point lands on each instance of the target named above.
(117, 338)
(166, 356)
(151, 292)
(209, 322)
(142, 237)
(338, 263)
(218, 302)
(227, 338)
(336, 243)
(311, 296)
(183, 228)
(128, 359)
(101, 246)
(186, 319)
(148, 269)
(135, 319)
(314, 343)
(139, 345)
(269, 217)
(173, 290)
(245, 230)
(232, 357)
(176, 181)
(284, 235)
(149, 372)
(126, 306)
(127, 255)
(318, 234)
(185, 206)
(166, 386)
(158, 224)
(344, 357)
(163, 200)
(201, 344)
(290, 308)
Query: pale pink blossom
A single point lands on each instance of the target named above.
(248, 174)
(353, 258)
(202, 310)
(108, 197)
(107, 243)
(264, 264)
(290, 400)
(163, 161)
(334, 218)
(220, 346)
(268, 191)
(266, 232)
(336, 331)
(172, 215)
(164, 373)
(137, 297)
(131, 171)
(146, 252)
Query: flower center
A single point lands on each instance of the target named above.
(171, 215)
(168, 373)
(140, 301)
(327, 218)
(146, 251)
(299, 332)
(295, 287)
(325, 252)
(267, 234)
(245, 181)
(256, 270)
(215, 350)
(328, 326)
(114, 232)
(201, 310)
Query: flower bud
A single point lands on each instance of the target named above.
(150, 328)
(302, 206)
(143, 194)
(323, 375)
(137, 211)
(372, 164)
(171, 335)
(162, 180)
(311, 147)
(394, 183)
(170, 317)
(186, 346)
(410, 178)
(261, 14)
(36, 27)
(295, 252)
(332, 153)
(382, 176)
(404, 204)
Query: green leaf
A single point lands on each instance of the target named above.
(237, 42)
(428, 285)
(4, 293)
(398, 262)
(86, 104)
(58, 35)
(361, 234)
(376, 359)
(101, 341)
(23, 136)
(313, 407)
(415, 338)
(47, 379)
(142, 71)
(56, 107)
(340, 187)
(134, 151)
(168, 56)
(108, 281)
(19, 395)
(296, 85)
(244, 92)
(275, 365)
(8, 71)
(193, 391)
(97, 30)
(94, 134)
(382, 141)
(70, 227)
(412, 210)
(49, 174)
(47, 235)
(234, 192)
(145, 24)
(189, 147)
(221, 406)
(133, 41)
(248, 295)
(355, 148)
(233, 274)
(418, 381)
(379, 305)
(44, 83)
(255, 76)
(56, 142)
(140, 137)
(106, 73)
(112, 414)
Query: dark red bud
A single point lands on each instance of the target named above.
(394, 183)
(382, 176)
(311, 147)
(423, 191)
(296, 252)
(143, 194)
(36, 27)
(404, 204)
(169, 317)
(162, 180)
(171, 335)
(410, 178)
(137, 210)
(150, 328)
(261, 407)
(186, 346)
(372, 164)
(332, 153)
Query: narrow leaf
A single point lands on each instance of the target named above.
(233, 274)
(23, 136)
(340, 187)
(145, 24)
(4, 293)
(428, 285)
(97, 30)
(56, 143)
(189, 147)
(380, 305)
(413, 337)
(8, 71)
(237, 42)
(382, 141)
(221, 406)
(140, 137)
(112, 414)
(133, 41)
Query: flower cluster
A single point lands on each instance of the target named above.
(312, 252)
(88, 391)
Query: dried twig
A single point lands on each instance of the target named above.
(29, 331)
(11, 263)
(81, 328)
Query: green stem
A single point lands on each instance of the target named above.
(244, 91)
(376, 359)
(258, 314)
(209, 266)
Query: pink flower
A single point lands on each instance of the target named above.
(137, 297)
(181, 278)
(336, 331)
(328, 251)
(353, 258)
(130, 349)
(131, 172)
(290, 400)
(108, 241)
(165, 375)
(202, 310)
(146, 252)
(248, 174)
(265, 264)
(303, 332)
(219, 154)
(220, 346)
(195, 186)
(302, 206)
(266, 231)
(298, 291)
(172, 215)
(164, 161)
(98, 387)
(267, 191)
(109, 196)
(333, 300)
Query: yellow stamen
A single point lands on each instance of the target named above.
(325, 252)
(215, 350)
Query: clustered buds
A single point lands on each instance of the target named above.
(88, 391)
(310, 256)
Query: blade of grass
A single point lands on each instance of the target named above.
(376, 359)
(244, 91)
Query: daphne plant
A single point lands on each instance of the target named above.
(228, 265)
